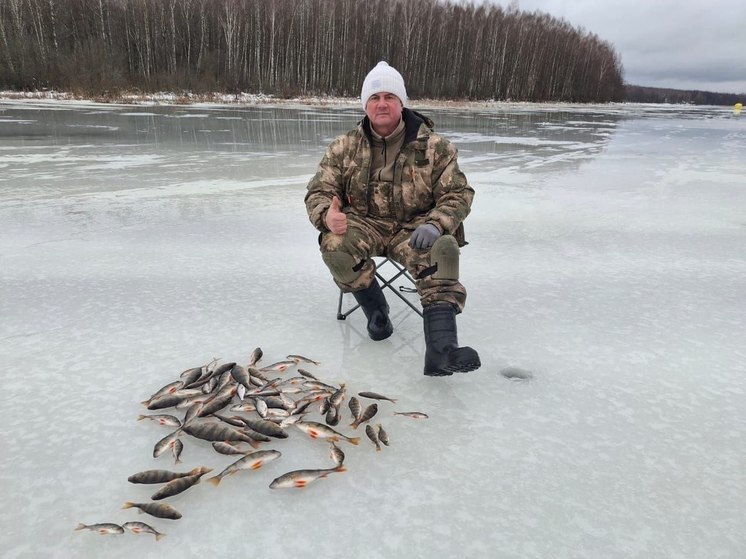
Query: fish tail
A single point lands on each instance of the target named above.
(141, 417)
(80, 526)
(128, 505)
(215, 480)
(340, 469)
(159, 536)
(354, 440)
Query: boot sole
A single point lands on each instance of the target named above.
(461, 368)
(380, 337)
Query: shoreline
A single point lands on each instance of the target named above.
(173, 99)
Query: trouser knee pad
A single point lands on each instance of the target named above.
(444, 256)
(342, 266)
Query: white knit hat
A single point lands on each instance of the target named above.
(383, 78)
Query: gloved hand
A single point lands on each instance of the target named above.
(336, 219)
(424, 236)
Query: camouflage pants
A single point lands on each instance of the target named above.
(375, 236)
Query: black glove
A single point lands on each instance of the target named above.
(424, 236)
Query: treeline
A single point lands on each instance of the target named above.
(639, 94)
(302, 47)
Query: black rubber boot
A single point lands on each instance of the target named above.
(442, 354)
(376, 309)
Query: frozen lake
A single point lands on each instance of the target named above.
(607, 258)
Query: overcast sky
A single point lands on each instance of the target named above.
(684, 44)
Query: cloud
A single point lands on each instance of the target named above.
(689, 44)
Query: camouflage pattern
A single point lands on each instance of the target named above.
(428, 187)
(375, 236)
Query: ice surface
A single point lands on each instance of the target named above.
(606, 277)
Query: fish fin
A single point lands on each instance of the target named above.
(257, 465)
(301, 483)
(80, 526)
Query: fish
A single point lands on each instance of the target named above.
(376, 396)
(338, 397)
(332, 416)
(165, 401)
(192, 412)
(158, 476)
(288, 421)
(177, 448)
(215, 405)
(301, 478)
(179, 485)
(306, 374)
(354, 405)
(261, 407)
(299, 358)
(256, 373)
(224, 368)
(320, 431)
(412, 414)
(267, 428)
(191, 375)
(167, 389)
(227, 448)
(325, 406)
(255, 356)
(252, 461)
(274, 414)
(382, 435)
(162, 419)
(319, 385)
(336, 454)
(211, 431)
(209, 385)
(142, 528)
(165, 443)
(301, 407)
(279, 366)
(280, 401)
(159, 510)
(104, 528)
(371, 435)
(188, 402)
(242, 376)
(187, 393)
(367, 415)
(244, 407)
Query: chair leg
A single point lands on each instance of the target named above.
(385, 283)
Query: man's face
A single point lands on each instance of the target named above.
(384, 111)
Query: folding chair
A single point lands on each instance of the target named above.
(401, 271)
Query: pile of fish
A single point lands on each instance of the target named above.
(237, 409)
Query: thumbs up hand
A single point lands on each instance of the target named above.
(336, 219)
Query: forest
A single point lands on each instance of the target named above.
(639, 94)
(286, 48)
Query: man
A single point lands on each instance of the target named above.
(392, 187)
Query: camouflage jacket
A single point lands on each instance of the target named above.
(429, 187)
